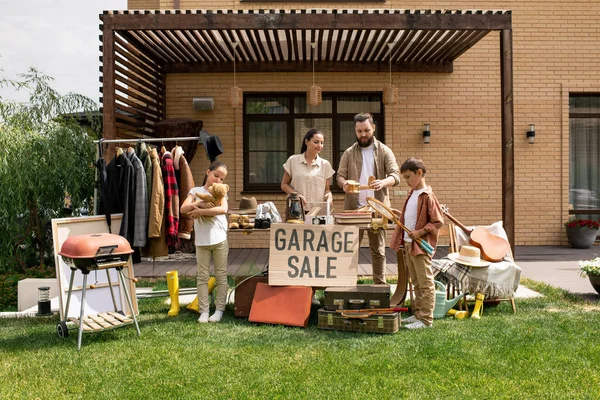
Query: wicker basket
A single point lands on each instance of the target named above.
(390, 95)
(314, 96)
(236, 96)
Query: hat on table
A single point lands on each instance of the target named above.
(247, 206)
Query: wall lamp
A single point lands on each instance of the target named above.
(531, 133)
(426, 134)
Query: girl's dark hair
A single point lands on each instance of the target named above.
(216, 164)
(413, 164)
(311, 132)
(213, 165)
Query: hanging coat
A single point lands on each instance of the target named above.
(119, 197)
(185, 183)
(157, 244)
(171, 200)
(141, 150)
(140, 214)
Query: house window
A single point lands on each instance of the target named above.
(584, 157)
(275, 124)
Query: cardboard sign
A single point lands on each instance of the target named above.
(313, 255)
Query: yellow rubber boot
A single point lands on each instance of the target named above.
(173, 285)
(193, 306)
(478, 309)
(457, 314)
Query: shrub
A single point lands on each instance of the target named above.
(580, 223)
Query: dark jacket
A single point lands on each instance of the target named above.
(119, 196)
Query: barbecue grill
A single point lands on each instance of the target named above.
(86, 253)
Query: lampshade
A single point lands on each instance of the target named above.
(390, 94)
(236, 96)
(314, 96)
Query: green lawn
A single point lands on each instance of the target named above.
(549, 349)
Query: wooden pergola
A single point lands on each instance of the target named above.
(141, 47)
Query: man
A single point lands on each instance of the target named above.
(369, 157)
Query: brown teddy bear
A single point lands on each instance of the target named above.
(217, 192)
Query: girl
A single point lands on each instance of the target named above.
(210, 225)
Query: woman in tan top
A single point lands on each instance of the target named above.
(307, 174)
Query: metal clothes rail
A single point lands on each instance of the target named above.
(171, 139)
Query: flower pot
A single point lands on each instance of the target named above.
(581, 237)
(595, 281)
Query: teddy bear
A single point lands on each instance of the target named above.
(217, 192)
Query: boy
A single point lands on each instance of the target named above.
(422, 216)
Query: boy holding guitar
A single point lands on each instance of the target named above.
(422, 216)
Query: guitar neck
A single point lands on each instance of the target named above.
(459, 224)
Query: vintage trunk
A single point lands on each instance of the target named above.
(357, 297)
(244, 294)
(376, 323)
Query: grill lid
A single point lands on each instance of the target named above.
(95, 245)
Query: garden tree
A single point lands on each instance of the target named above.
(44, 154)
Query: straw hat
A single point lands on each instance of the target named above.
(247, 206)
(470, 256)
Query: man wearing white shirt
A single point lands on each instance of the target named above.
(369, 157)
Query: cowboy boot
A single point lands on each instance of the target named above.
(173, 285)
(234, 221)
(193, 306)
(478, 306)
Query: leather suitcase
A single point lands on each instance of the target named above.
(376, 323)
(244, 294)
(281, 305)
(357, 297)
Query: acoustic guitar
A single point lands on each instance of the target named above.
(493, 248)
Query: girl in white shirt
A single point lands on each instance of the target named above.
(210, 226)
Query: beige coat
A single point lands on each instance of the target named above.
(185, 184)
(157, 245)
(351, 166)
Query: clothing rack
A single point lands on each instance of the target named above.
(176, 139)
(138, 140)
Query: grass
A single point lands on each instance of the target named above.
(548, 349)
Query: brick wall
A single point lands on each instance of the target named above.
(555, 52)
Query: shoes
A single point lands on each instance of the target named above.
(216, 317)
(409, 320)
(203, 318)
(418, 325)
(234, 221)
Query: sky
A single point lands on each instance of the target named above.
(58, 37)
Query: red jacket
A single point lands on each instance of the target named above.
(429, 217)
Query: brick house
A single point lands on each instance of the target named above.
(448, 66)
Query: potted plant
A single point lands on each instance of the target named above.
(591, 269)
(582, 232)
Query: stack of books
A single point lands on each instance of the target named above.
(356, 218)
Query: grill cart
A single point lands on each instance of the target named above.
(97, 251)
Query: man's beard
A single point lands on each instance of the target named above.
(366, 144)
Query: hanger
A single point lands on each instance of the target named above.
(119, 151)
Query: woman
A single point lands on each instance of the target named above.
(306, 173)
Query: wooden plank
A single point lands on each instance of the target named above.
(95, 324)
(336, 52)
(142, 98)
(417, 45)
(180, 45)
(360, 36)
(120, 317)
(243, 48)
(295, 40)
(475, 38)
(253, 44)
(272, 56)
(133, 50)
(137, 112)
(290, 44)
(274, 19)
(201, 54)
(109, 128)
(110, 319)
(323, 66)
(278, 45)
(448, 46)
(508, 151)
(256, 37)
(136, 105)
(154, 45)
(433, 43)
(135, 86)
(128, 52)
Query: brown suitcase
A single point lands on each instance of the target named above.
(357, 297)
(281, 305)
(244, 294)
(376, 323)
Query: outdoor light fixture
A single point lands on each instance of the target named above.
(314, 94)
(426, 134)
(390, 92)
(44, 301)
(531, 133)
(236, 94)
